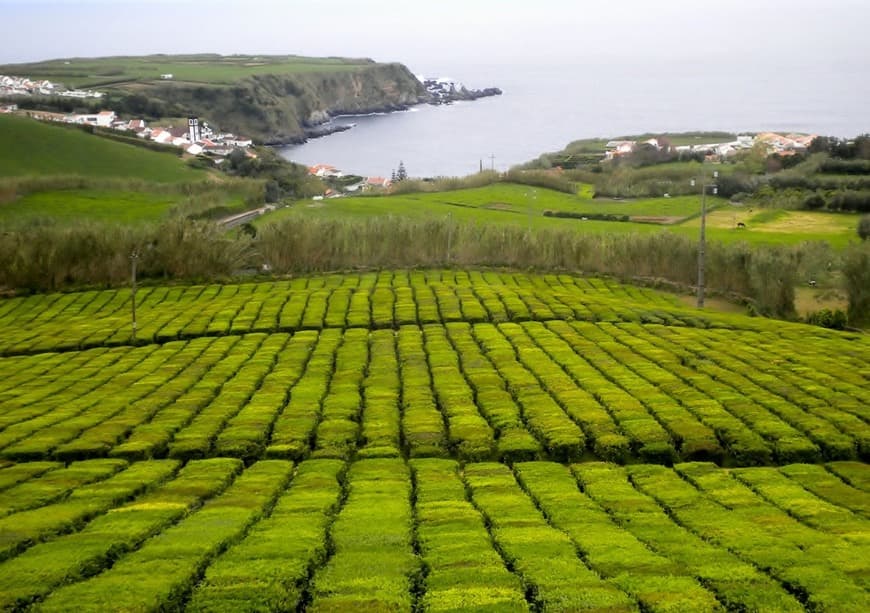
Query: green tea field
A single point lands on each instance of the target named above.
(428, 440)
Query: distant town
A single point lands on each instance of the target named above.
(195, 138)
(783, 145)
(23, 86)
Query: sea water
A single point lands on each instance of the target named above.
(546, 105)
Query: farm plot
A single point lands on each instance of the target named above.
(428, 441)
(555, 389)
(64, 322)
(433, 535)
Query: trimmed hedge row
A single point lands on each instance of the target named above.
(160, 574)
(374, 300)
(374, 566)
(268, 569)
(431, 535)
(715, 505)
(44, 567)
(544, 557)
(464, 572)
(513, 391)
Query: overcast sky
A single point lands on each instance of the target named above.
(423, 33)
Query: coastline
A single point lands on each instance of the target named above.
(327, 127)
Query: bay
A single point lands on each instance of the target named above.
(547, 104)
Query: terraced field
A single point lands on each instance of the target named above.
(428, 441)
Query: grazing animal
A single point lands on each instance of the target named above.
(740, 224)
(812, 283)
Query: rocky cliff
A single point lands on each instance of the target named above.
(275, 109)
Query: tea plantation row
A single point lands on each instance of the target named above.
(55, 322)
(432, 535)
(558, 390)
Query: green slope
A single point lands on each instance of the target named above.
(29, 147)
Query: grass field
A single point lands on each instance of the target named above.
(525, 206)
(428, 441)
(63, 175)
(31, 148)
(94, 72)
(96, 205)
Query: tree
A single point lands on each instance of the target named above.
(401, 173)
(273, 192)
(815, 202)
(864, 227)
(856, 277)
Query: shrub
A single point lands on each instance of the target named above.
(826, 318)
(856, 275)
(814, 202)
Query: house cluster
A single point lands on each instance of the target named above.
(785, 145)
(195, 138)
(22, 86)
(719, 151)
(789, 144)
(325, 171)
(203, 139)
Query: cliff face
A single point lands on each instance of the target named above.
(275, 109)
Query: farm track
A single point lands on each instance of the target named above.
(428, 441)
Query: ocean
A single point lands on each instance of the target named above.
(547, 105)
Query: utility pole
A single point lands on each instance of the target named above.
(134, 259)
(702, 244)
(492, 162)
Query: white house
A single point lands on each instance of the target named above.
(167, 77)
(324, 170)
(105, 118)
(195, 149)
(377, 182)
(160, 135)
(616, 148)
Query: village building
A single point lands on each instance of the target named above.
(380, 182)
(325, 170)
(618, 148)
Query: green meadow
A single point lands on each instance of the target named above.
(205, 68)
(525, 206)
(33, 148)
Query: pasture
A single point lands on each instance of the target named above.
(203, 68)
(88, 204)
(427, 440)
(525, 206)
(33, 148)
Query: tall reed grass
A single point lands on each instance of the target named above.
(49, 257)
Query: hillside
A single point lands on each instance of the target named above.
(269, 98)
(65, 176)
(31, 148)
